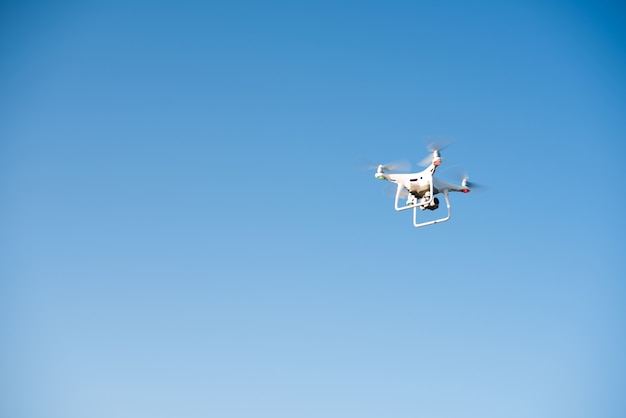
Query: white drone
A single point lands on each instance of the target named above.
(422, 187)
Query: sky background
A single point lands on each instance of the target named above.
(183, 231)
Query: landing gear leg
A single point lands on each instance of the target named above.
(418, 225)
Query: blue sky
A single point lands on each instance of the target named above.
(184, 233)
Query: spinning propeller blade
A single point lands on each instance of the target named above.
(438, 144)
(469, 184)
(426, 161)
(397, 166)
(392, 167)
(434, 147)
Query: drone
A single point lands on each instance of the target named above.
(421, 188)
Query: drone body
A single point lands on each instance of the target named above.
(421, 189)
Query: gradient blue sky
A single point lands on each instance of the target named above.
(183, 233)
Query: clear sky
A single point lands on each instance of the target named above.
(183, 233)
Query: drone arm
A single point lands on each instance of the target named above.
(436, 221)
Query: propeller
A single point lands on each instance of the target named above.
(391, 167)
(470, 185)
(427, 160)
(435, 148)
(438, 144)
(396, 166)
